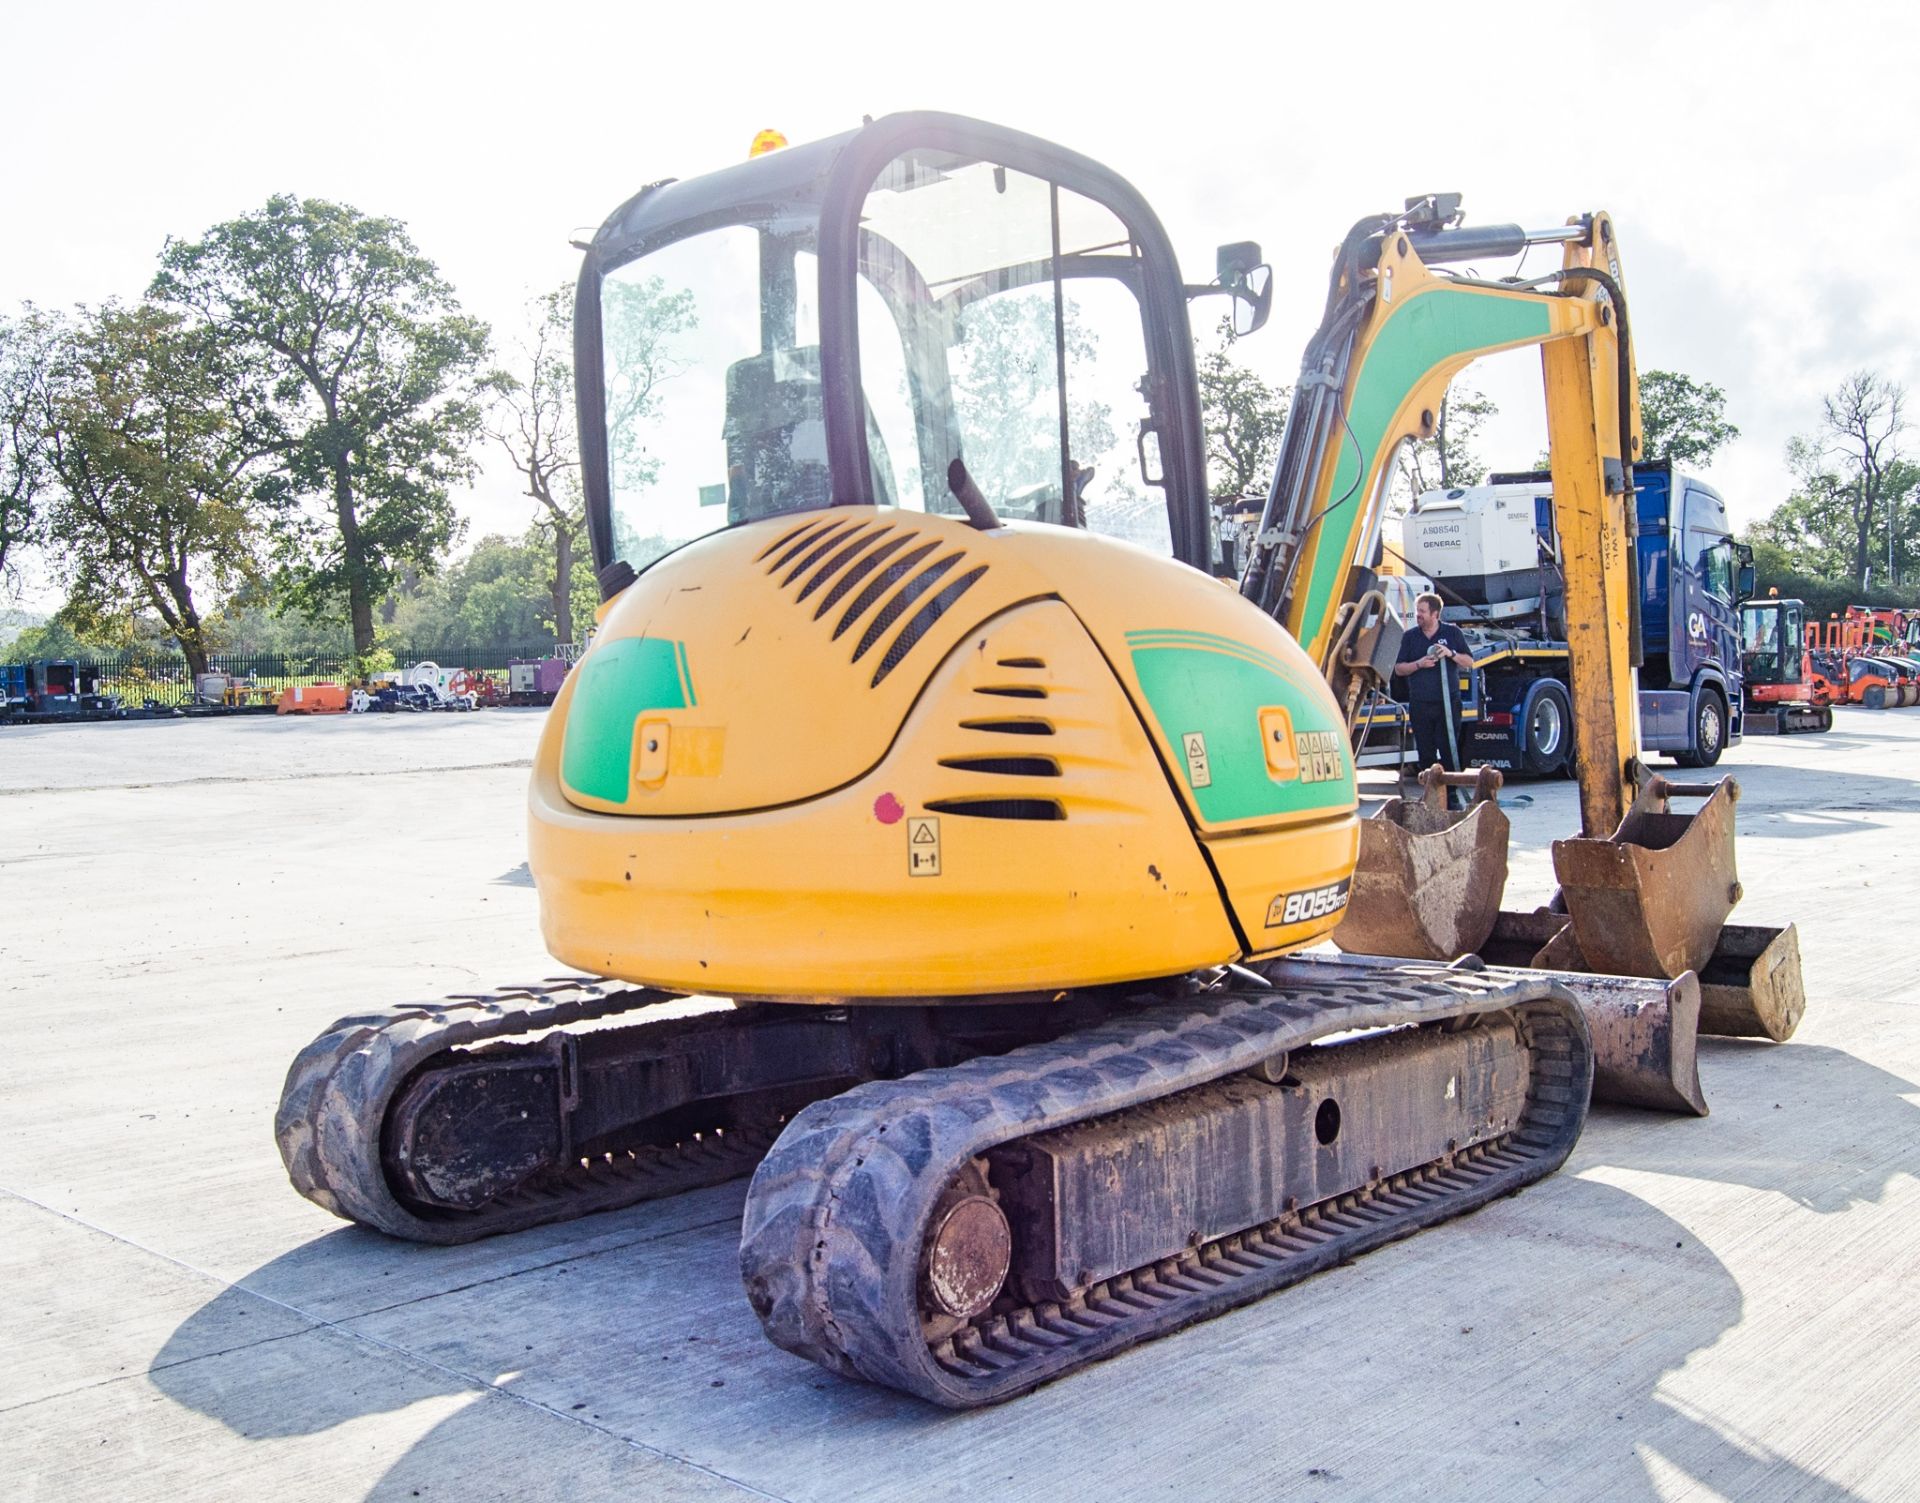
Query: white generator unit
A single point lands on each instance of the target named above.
(1483, 543)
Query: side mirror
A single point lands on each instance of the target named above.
(1242, 275)
(1239, 270)
(1253, 301)
(1744, 587)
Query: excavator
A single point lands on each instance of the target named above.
(934, 813)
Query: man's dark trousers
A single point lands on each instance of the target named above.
(1436, 734)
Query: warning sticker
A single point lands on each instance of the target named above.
(923, 846)
(1198, 773)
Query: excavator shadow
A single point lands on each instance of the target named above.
(1816, 1124)
(1559, 1319)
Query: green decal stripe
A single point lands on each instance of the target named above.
(1220, 695)
(617, 683)
(686, 673)
(1207, 642)
(1420, 334)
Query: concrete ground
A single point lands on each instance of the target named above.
(1691, 1309)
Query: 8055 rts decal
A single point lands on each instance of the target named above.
(1315, 902)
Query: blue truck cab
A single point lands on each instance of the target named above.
(1491, 553)
(1690, 700)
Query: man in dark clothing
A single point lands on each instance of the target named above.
(1427, 664)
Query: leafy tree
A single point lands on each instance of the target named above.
(353, 352)
(54, 638)
(153, 477)
(1681, 419)
(1243, 417)
(1812, 528)
(532, 419)
(1853, 461)
(1782, 570)
(26, 351)
(496, 596)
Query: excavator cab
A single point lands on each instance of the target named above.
(844, 322)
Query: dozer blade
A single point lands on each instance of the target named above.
(1643, 1029)
(1429, 880)
(1650, 899)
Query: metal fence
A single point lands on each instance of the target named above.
(140, 678)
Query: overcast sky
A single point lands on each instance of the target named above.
(1760, 159)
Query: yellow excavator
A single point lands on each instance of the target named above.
(931, 814)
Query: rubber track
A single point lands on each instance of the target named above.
(335, 1101)
(831, 1244)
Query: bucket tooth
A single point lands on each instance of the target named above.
(1650, 899)
(1429, 879)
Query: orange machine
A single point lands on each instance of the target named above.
(314, 699)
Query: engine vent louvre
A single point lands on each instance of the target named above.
(885, 580)
(787, 537)
(816, 546)
(793, 542)
(840, 560)
(859, 571)
(1023, 662)
(1013, 691)
(922, 619)
(998, 808)
(905, 596)
(1008, 767)
(881, 565)
(1012, 726)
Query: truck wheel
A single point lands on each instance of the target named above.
(1709, 732)
(1549, 732)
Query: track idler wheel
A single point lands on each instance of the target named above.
(968, 1254)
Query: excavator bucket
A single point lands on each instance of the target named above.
(1429, 880)
(1428, 888)
(1643, 1028)
(1751, 986)
(1652, 902)
(1651, 899)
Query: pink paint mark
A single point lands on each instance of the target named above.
(888, 809)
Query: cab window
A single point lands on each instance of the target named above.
(1001, 325)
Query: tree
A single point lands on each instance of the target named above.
(1243, 417)
(1681, 419)
(1813, 528)
(1854, 459)
(26, 352)
(153, 498)
(353, 352)
(532, 419)
(498, 596)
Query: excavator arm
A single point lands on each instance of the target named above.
(1399, 325)
(1644, 892)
